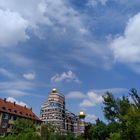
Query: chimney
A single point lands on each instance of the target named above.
(5, 100)
(25, 106)
(14, 103)
(31, 108)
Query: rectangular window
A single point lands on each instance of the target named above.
(5, 116)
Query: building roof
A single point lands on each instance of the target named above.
(55, 92)
(18, 110)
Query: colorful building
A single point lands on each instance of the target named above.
(53, 111)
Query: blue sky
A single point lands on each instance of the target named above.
(83, 48)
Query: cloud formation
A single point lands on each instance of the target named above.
(75, 95)
(12, 100)
(126, 47)
(91, 99)
(94, 3)
(16, 19)
(94, 97)
(12, 28)
(6, 73)
(90, 118)
(29, 76)
(65, 76)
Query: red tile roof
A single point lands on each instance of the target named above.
(13, 108)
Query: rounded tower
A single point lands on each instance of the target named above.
(53, 110)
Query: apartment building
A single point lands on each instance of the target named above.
(9, 112)
(53, 111)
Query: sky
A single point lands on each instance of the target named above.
(83, 48)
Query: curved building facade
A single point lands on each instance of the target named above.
(53, 110)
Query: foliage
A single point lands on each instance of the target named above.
(99, 131)
(124, 114)
(23, 126)
(110, 109)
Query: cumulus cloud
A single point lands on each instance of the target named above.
(39, 17)
(90, 118)
(29, 76)
(16, 19)
(12, 28)
(12, 100)
(65, 76)
(91, 99)
(126, 47)
(75, 95)
(94, 97)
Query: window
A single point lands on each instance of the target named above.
(4, 125)
(14, 117)
(5, 116)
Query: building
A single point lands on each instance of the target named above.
(9, 112)
(72, 122)
(53, 111)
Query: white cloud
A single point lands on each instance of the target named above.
(94, 3)
(18, 59)
(12, 100)
(6, 73)
(91, 99)
(75, 95)
(65, 76)
(16, 19)
(12, 28)
(29, 76)
(94, 97)
(87, 103)
(126, 47)
(16, 85)
(103, 2)
(40, 18)
(15, 92)
(90, 118)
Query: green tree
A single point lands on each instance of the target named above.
(99, 131)
(110, 107)
(124, 115)
(136, 98)
(23, 126)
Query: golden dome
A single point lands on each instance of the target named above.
(54, 90)
(82, 115)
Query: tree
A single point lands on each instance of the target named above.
(23, 126)
(136, 98)
(124, 115)
(99, 131)
(23, 129)
(110, 107)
